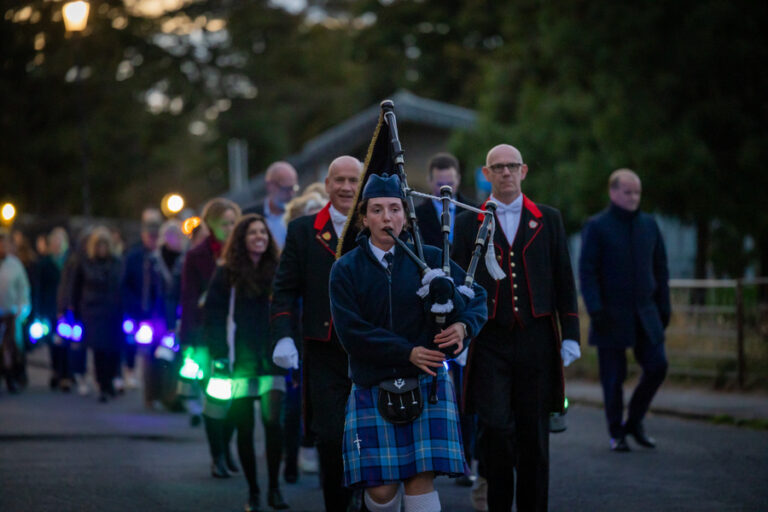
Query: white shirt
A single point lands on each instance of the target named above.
(379, 253)
(275, 224)
(338, 219)
(439, 209)
(509, 216)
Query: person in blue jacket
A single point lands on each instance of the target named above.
(624, 281)
(388, 332)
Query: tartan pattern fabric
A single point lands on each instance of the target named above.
(377, 452)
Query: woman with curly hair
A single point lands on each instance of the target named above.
(239, 293)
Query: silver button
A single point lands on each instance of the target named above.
(513, 263)
(516, 309)
(325, 324)
(514, 275)
(515, 285)
(511, 253)
(516, 299)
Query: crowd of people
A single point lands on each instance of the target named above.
(261, 299)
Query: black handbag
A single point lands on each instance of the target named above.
(400, 400)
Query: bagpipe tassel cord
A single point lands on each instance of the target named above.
(490, 257)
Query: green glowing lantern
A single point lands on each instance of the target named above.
(190, 369)
(218, 393)
(557, 421)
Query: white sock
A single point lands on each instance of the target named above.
(392, 506)
(429, 502)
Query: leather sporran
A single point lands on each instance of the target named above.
(400, 400)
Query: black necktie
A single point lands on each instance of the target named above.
(389, 257)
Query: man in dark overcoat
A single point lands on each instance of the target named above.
(303, 274)
(515, 365)
(624, 282)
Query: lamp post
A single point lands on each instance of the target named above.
(7, 214)
(75, 16)
(172, 204)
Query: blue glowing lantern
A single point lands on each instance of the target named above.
(129, 326)
(77, 333)
(144, 334)
(63, 328)
(38, 329)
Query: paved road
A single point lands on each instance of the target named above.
(68, 453)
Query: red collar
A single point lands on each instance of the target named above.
(323, 216)
(215, 246)
(527, 204)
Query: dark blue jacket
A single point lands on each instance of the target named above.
(379, 340)
(140, 285)
(624, 277)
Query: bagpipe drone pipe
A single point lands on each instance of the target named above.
(386, 156)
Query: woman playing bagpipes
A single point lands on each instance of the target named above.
(393, 433)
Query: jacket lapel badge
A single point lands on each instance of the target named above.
(326, 236)
(533, 224)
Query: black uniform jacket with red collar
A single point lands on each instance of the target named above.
(545, 261)
(305, 266)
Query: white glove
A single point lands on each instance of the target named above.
(461, 359)
(285, 354)
(570, 352)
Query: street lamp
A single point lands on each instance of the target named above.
(75, 16)
(7, 213)
(172, 204)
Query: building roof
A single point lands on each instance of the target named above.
(356, 131)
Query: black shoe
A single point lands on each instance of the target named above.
(219, 467)
(275, 500)
(232, 466)
(13, 386)
(254, 503)
(638, 432)
(102, 398)
(619, 444)
(53, 383)
(291, 471)
(195, 420)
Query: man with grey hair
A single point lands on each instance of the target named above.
(282, 183)
(624, 282)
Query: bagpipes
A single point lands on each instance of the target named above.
(438, 287)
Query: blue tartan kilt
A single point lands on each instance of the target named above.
(377, 452)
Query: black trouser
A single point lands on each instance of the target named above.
(10, 354)
(152, 375)
(106, 364)
(613, 371)
(129, 354)
(326, 367)
(241, 416)
(512, 380)
(59, 358)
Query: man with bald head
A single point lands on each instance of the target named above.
(282, 184)
(303, 274)
(624, 282)
(515, 364)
